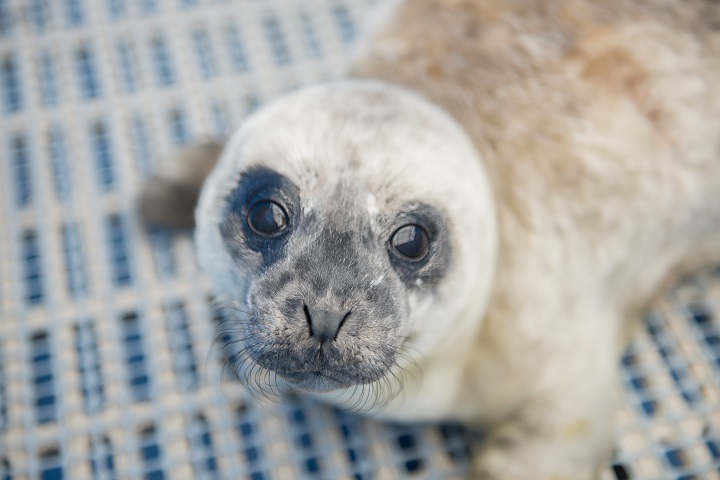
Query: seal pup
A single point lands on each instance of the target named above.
(489, 200)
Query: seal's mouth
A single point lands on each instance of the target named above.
(314, 382)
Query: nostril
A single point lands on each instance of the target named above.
(342, 322)
(308, 318)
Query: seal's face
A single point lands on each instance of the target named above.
(328, 244)
(330, 283)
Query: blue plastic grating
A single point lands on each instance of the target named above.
(107, 364)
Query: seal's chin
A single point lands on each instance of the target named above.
(315, 382)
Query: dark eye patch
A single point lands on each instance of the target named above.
(419, 245)
(260, 213)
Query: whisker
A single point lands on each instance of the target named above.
(245, 351)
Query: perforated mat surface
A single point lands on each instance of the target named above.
(107, 368)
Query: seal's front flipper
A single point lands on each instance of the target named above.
(168, 198)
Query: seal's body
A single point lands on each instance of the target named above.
(488, 213)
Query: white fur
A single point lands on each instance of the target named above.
(597, 128)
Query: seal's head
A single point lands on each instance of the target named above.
(343, 223)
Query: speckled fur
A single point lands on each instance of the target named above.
(586, 173)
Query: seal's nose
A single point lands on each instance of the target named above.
(325, 324)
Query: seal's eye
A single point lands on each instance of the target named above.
(267, 218)
(411, 242)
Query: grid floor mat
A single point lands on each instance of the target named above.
(107, 363)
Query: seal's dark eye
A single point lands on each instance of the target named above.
(411, 242)
(267, 218)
